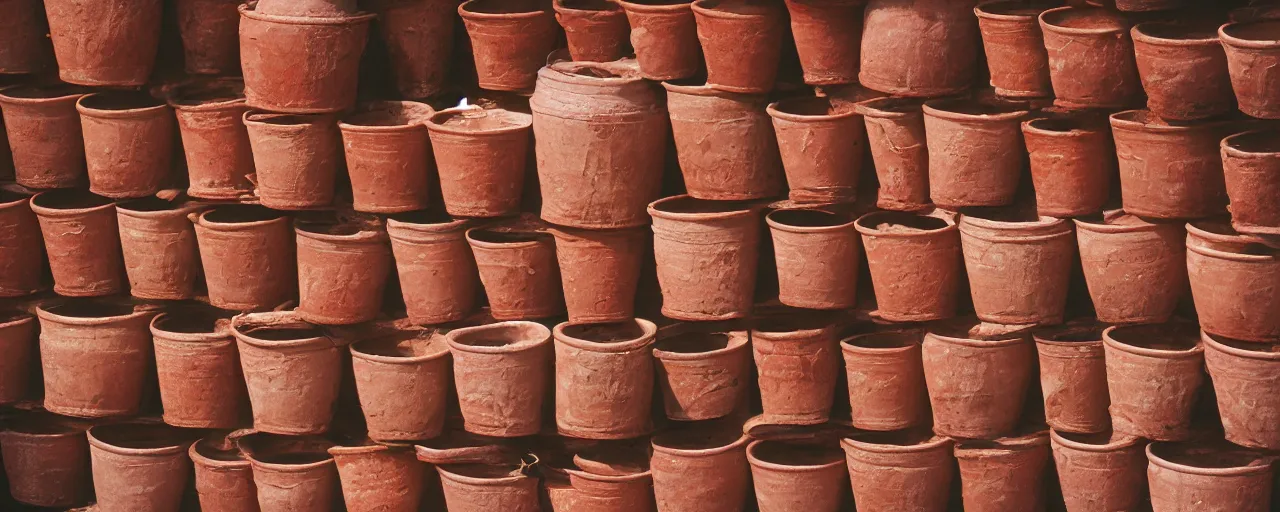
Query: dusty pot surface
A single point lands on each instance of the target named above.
(707, 254)
(818, 254)
(501, 372)
(899, 149)
(481, 156)
(820, 141)
(601, 483)
(1104, 469)
(248, 256)
(378, 477)
(702, 375)
(210, 36)
(489, 487)
(734, 62)
(600, 271)
(1229, 477)
(886, 380)
(701, 466)
(797, 476)
(82, 241)
(292, 369)
(1073, 377)
(308, 8)
(828, 37)
(1073, 162)
(158, 241)
(95, 355)
(201, 384)
(46, 459)
(139, 466)
(22, 249)
(342, 271)
(1253, 51)
(1091, 60)
(1004, 474)
(1015, 50)
(128, 143)
(900, 470)
(19, 342)
(798, 362)
(1251, 162)
(596, 30)
(509, 41)
(1135, 270)
(419, 37)
(977, 379)
(1183, 69)
(1234, 282)
(1018, 267)
(519, 272)
(291, 472)
(108, 43)
(976, 152)
(323, 56)
(389, 156)
(1169, 171)
(664, 34)
(1153, 375)
(1242, 372)
(297, 158)
(725, 143)
(919, 48)
(214, 137)
(915, 262)
(437, 270)
(224, 477)
(26, 48)
(403, 380)
(598, 364)
(43, 129)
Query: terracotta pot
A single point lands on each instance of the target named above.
(485, 488)
(1169, 171)
(43, 130)
(900, 470)
(1073, 162)
(95, 355)
(798, 363)
(82, 240)
(159, 246)
(108, 43)
(379, 478)
(796, 476)
(1184, 476)
(139, 466)
(828, 37)
(1147, 5)
(215, 140)
(210, 36)
(248, 256)
(977, 381)
(297, 158)
(481, 155)
(308, 8)
(292, 473)
(702, 375)
(1004, 474)
(21, 246)
(510, 41)
(46, 460)
(597, 30)
(403, 381)
(201, 385)
(735, 63)
(976, 151)
(1183, 69)
(886, 380)
(818, 255)
(610, 488)
(1251, 162)
(707, 253)
(1242, 375)
(128, 143)
(223, 477)
(519, 272)
(896, 138)
(419, 41)
(18, 341)
(1235, 283)
(1135, 270)
(1073, 377)
(1102, 471)
(915, 264)
(1015, 49)
(1253, 52)
(1091, 59)
(436, 267)
(664, 34)
(601, 139)
(292, 370)
(323, 56)
(24, 43)
(600, 271)
(501, 372)
(700, 467)
(599, 364)
(725, 143)
(342, 272)
(919, 48)
(1018, 270)
(820, 141)
(1153, 375)
(389, 156)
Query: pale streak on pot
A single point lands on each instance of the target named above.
(296, 157)
(900, 470)
(215, 139)
(1104, 471)
(976, 151)
(378, 478)
(1251, 162)
(598, 364)
(791, 476)
(248, 256)
(596, 30)
(403, 382)
(125, 454)
(158, 242)
(1253, 56)
(1004, 474)
(501, 372)
(20, 345)
(1135, 270)
(798, 363)
(707, 255)
(292, 369)
(519, 272)
(1073, 377)
(481, 155)
(1170, 171)
(1091, 59)
(821, 144)
(600, 271)
(698, 467)
(46, 459)
(742, 42)
(885, 373)
(95, 354)
(419, 37)
(1015, 50)
(664, 34)
(1186, 478)
(105, 42)
(977, 382)
(45, 137)
(725, 143)
(818, 254)
(128, 143)
(438, 278)
(1183, 70)
(915, 263)
(899, 150)
(828, 37)
(1154, 373)
(1019, 271)
(509, 41)
(342, 271)
(223, 477)
(702, 376)
(24, 46)
(919, 48)
(1073, 162)
(291, 473)
(301, 65)
(388, 154)
(1235, 282)
(210, 36)
(22, 248)
(1244, 376)
(201, 383)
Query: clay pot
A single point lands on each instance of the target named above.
(601, 140)
(403, 381)
(378, 478)
(210, 36)
(700, 467)
(600, 271)
(725, 143)
(735, 63)
(1153, 375)
(323, 56)
(702, 375)
(596, 30)
(820, 141)
(509, 40)
(46, 460)
(292, 473)
(607, 486)
(95, 356)
(599, 364)
(21, 246)
(109, 43)
(919, 48)
(215, 140)
(139, 466)
(481, 156)
(1073, 161)
(1183, 69)
(82, 241)
(159, 247)
(297, 158)
(1169, 171)
(828, 37)
(1147, 5)
(900, 470)
(798, 363)
(389, 156)
(308, 8)
(886, 380)
(223, 477)
(18, 341)
(519, 272)
(248, 256)
(500, 371)
(976, 152)
(818, 255)
(1015, 48)
(1073, 378)
(1135, 270)
(342, 271)
(292, 370)
(915, 264)
(419, 41)
(437, 270)
(1018, 269)
(1091, 59)
(201, 385)
(1251, 162)
(707, 253)
(486, 488)
(664, 34)
(1243, 376)
(1185, 476)
(896, 138)
(1253, 53)
(1235, 283)
(23, 39)
(797, 476)
(1004, 474)
(1103, 471)
(128, 143)
(44, 134)
(977, 380)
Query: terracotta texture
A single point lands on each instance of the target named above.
(1015, 49)
(818, 254)
(519, 272)
(323, 56)
(976, 152)
(886, 380)
(1153, 375)
(379, 478)
(607, 488)
(1073, 377)
(201, 385)
(108, 43)
(128, 143)
(481, 156)
(215, 140)
(43, 129)
(25, 46)
(125, 455)
(702, 375)
(1251, 162)
(1091, 59)
(1169, 171)
(1184, 476)
(820, 141)
(795, 476)
(919, 48)
(403, 381)
(725, 143)
(223, 477)
(502, 372)
(308, 8)
(437, 270)
(915, 262)
(342, 272)
(828, 37)
(1235, 283)
(1004, 474)
(248, 256)
(82, 240)
(707, 254)
(599, 364)
(292, 473)
(388, 156)
(1073, 162)
(22, 255)
(95, 356)
(159, 246)
(797, 363)
(697, 467)
(899, 149)
(419, 37)
(902, 470)
(46, 460)
(977, 381)
(1183, 70)
(509, 40)
(664, 34)
(600, 271)
(297, 158)
(596, 30)
(736, 63)
(210, 36)
(1135, 270)
(1253, 51)
(1243, 375)
(484, 488)
(1018, 270)
(1103, 471)
(292, 370)
(18, 341)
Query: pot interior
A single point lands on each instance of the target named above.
(217, 448)
(1080, 333)
(785, 323)
(68, 199)
(887, 339)
(694, 342)
(1256, 142)
(480, 120)
(284, 119)
(1086, 18)
(691, 205)
(796, 453)
(978, 108)
(192, 320)
(119, 100)
(1170, 336)
(1016, 8)
(699, 436)
(335, 228)
(905, 437)
(501, 335)
(405, 344)
(741, 7)
(10, 196)
(391, 113)
(44, 92)
(241, 213)
(814, 106)
(505, 237)
(286, 450)
(148, 204)
(658, 2)
(1179, 31)
(616, 332)
(501, 6)
(1256, 31)
(808, 218)
(140, 436)
(897, 105)
(42, 423)
(422, 217)
(590, 5)
(282, 332)
(1095, 439)
(1250, 346)
(902, 222)
(1218, 455)
(90, 308)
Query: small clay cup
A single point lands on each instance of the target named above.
(481, 155)
(828, 36)
(1135, 269)
(976, 152)
(1234, 282)
(818, 256)
(509, 40)
(519, 272)
(900, 470)
(977, 380)
(201, 384)
(596, 30)
(501, 372)
(248, 256)
(22, 248)
(702, 375)
(291, 472)
(322, 53)
(139, 466)
(1091, 59)
(437, 270)
(403, 382)
(1242, 375)
(1183, 69)
(377, 477)
(665, 36)
(296, 157)
(82, 241)
(1004, 474)
(1153, 375)
(128, 143)
(900, 151)
(1073, 377)
(915, 262)
(797, 476)
(95, 354)
(821, 144)
(1251, 163)
(342, 271)
(1253, 52)
(46, 460)
(886, 380)
(1100, 470)
(707, 253)
(1019, 268)
(1235, 479)
(798, 364)
(604, 363)
(1169, 171)
(388, 156)
(214, 138)
(43, 129)
(1073, 162)
(158, 242)
(1015, 49)
(735, 63)
(292, 369)
(19, 341)
(223, 476)
(701, 466)
(600, 271)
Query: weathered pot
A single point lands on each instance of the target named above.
(702, 467)
(1153, 375)
(817, 254)
(896, 139)
(403, 381)
(248, 256)
(519, 272)
(297, 158)
(44, 134)
(1169, 171)
(419, 39)
(1004, 474)
(158, 241)
(22, 255)
(1073, 162)
(601, 140)
(976, 152)
(24, 46)
(915, 262)
(1183, 69)
(664, 34)
(1091, 59)
(501, 372)
(215, 139)
(820, 141)
(210, 36)
(792, 476)
(598, 364)
(83, 242)
(1253, 53)
(1073, 377)
(702, 375)
(437, 270)
(828, 37)
(223, 477)
(388, 156)
(600, 271)
(1183, 477)
(95, 356)
(900, 470)
(1103, 471)
(107, 43)
(509, 41)
(128, 143)
(323, 56)
(1243, 374)
(886, 380)
(725, 143)
(19, 343)
(1018, 269)
(977, 381)
(798, 362)
(1135, 270)
(292, 370)
(46, 460)
(596, 30)
(308, 8)
(736, 63)
(1235, 283)
(481, 156)
(1015, 49)
(919, 48)
(707, 253)
(292, 473)
(201, 385)
(485, 488)
(1148, 5)
(342, 271)
(606, 486)
(139, 466)
(378, 478)
(1251, 162)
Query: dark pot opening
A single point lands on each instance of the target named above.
(796, 453)
(45, 92)
(978, 108)
(970, 328)
(898, 105)
(506, 237)
(390, 114)
(499, 335)
(617, 332)
(590, 5)
(792, 321)
(283, 333)
(887, 339)
(688, 204)
(217, 449)
(901, 222)
(287, 450)
(1016, 8)
(10, 196)
(1001, 214)
(707, 435)
(803, 218)
(501, 6)
(1249, 346)
(814, 106)
(905, 437)
(192, 319)
(1179, 31)
(284, 119)
(405, 344)
(1095, 439)
(1171, 336)
(1086, 18)
(659, 2)
(1256, 142)
(694, 343)
(336, 228)
(423, 217)
(69, 200)
(119, 100)
(1091, 332)
(741, 7)
(148, 204)
(90, 308)
(1256, 31)
(1217, 455)
(241, 213)
(43, 423)
(141, 436)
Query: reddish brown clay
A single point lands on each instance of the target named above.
(501, 372)
(159, 247)
(596, 30)
(828, 37)
(820, 141)
(1091, 61)
(798, 362)
(519, 272)
(1251, 162)
(248, 256)
(1243, 376)
(389, 156)
(24, 47)
(1153, 375)
(419, 39)
(44, 134)
(702, 375)
(83, 242)
(297, 158)
(46, 460)
(128, 143)
(509, 40)
(21, 246)
(736, 63)
(900, 470)
(342, 271)
(1185, 476)
(1073, 162)
(601, 137)
(1103, 471)
(111, 42)
(403, 381)
(725, 143)
(919, 48)
(707, 254)
(600, 271)
(437, 270)
(977, 378)
(139, 466)
(1004, 474)
(201, 385)
(19, 343)
(308, 8)
(1135, 270)
(292, 370)
(1183, 69)
(1015, 48)
(1235, 283)
(896, 138)
(1147, 5)
(223, 477)
(607, 486)
(485, 488)
(818, 254)
(1073, 377)
(664, 34)
(700, 466)
(210, 36)
(215, 140)
(598, 364)
(886, 380)
(976, 152)
(379, 478)
(1169, 171)
(796, 476)
(481, 155)
(915, 264)
(323, 56)
(292, 473)
(1018, 269)
(1253, 53)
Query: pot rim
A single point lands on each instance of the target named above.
(773, 110)
(19, 317)
(467, 14)
(359, 17)
(848, 347)
(75, 427)
(803, 333)
(1194, 231)
(868, 108)
(220, 332)
(1045, 25)
(473, 242)
(45, 314)
(738, 341)
(289, 468)
(930, 108)
(559, 6)
(1210, 341)
(656, 212)
(789, 468)
(983, 13)
(707, 89)
(790, 228)
(1230, 40)
(1125, 441)
(216, 464)
(21, 198)
(1042, 221)
(742, 440)
(449, 226)
(1192, 470)
(344, 126)
(526, 121)
(234, 226)
(1235, 152)
(942, 215)
(698, 8)
(128, 113)
(1028, 126)
(180, 211)
(648, 337)
(621, 479)
(364, 235)
(1028, 441)
(1108, 341)
(933, 443)
(274, 318)
(970, 342)
(212, 106)
(1122, 120)
(1041, 340)
(313, 119)
(180, 447)
(478, 480)
(1105, 226)
(519, 346)
(673, 8)
(373, 447)
(1138, 34)
(17, 100)
(45, 211)
(380, 358)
